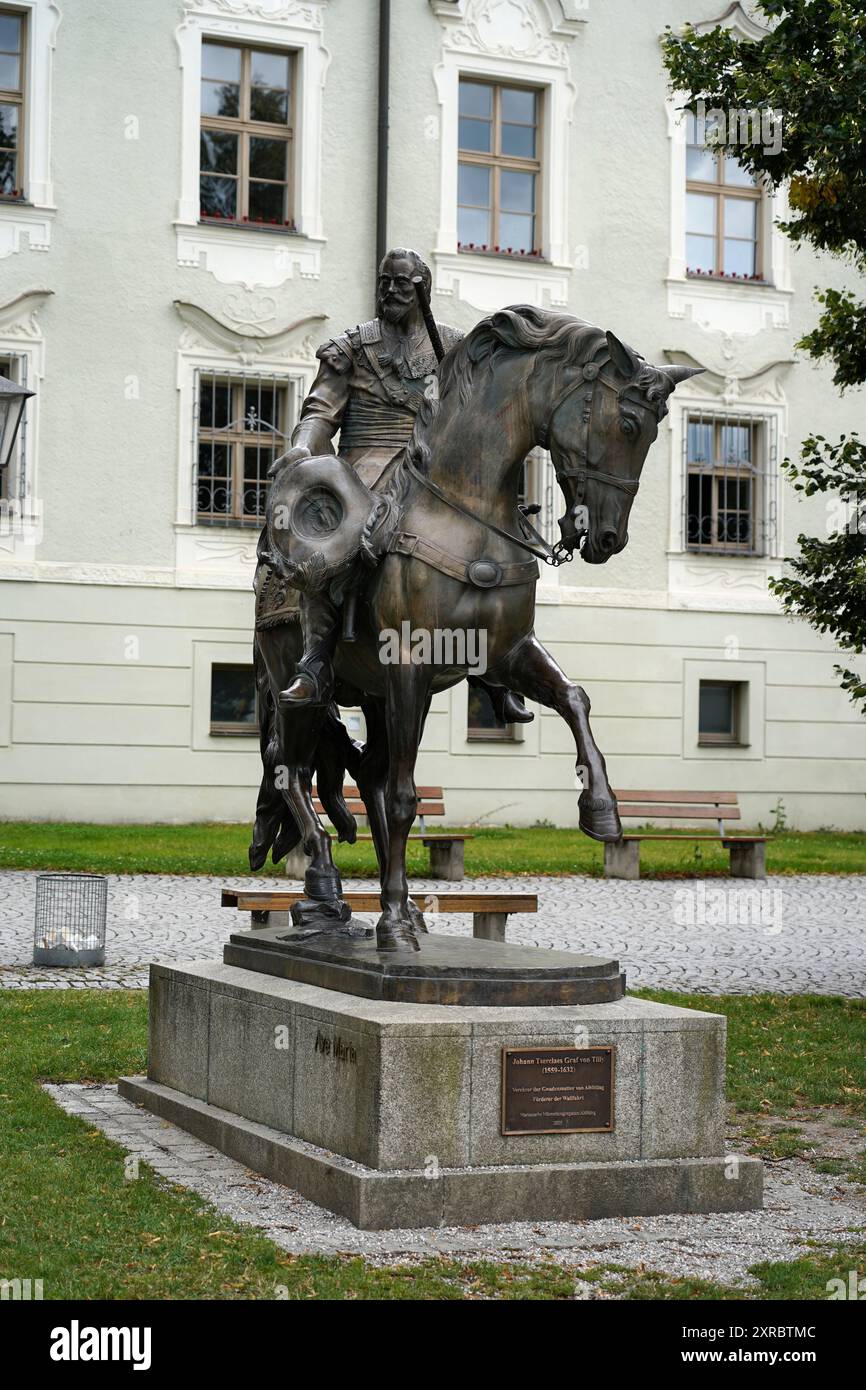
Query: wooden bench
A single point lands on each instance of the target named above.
(446, 849)
(489, 910)
(622, 859)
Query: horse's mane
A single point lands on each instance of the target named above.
(519, 329)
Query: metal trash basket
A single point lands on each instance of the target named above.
(70, 919)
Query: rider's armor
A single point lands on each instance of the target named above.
(370, 398)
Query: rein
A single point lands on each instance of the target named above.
(558, 554)
(546, 554)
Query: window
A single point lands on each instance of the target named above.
(11, 477)
(723, 207)
(246, 135)
(241, 429)
(11, 104)
(499, 169)
(233, 707)
(481, 723)
(721, 712)
(729, 494)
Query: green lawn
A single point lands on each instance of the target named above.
(222, 849)
(70, 1218)
(788, 1050)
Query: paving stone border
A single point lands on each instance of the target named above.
(791, 935)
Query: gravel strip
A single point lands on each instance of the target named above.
(800, 1205)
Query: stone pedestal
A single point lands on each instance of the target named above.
(390, 1114)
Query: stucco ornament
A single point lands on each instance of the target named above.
(246, 338)
(19, 316)
(520, 29)
(273, 10)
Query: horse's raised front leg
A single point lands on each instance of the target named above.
(406, 704)
(533, 671)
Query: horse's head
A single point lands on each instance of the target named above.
(604, 417)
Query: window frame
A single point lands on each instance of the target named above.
(758, 473)
(246, 129)
(14, 366)
(734, 739)
(237, 440)
(19, 98)
(496, 162)
(225, 728)
(499, 733)
(719, 189)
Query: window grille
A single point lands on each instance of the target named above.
(730, 483)
(13, 478)
(241, 423)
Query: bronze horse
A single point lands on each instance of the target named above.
(456, 559)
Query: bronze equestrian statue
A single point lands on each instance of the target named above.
(438, 541)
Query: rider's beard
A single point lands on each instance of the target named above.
(394, 309)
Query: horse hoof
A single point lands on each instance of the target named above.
(599, 818)
(396, 936)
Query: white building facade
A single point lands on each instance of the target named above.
(188, 208)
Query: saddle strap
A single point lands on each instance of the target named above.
(405, 543)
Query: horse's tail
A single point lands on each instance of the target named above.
(275, 828)
(335, 751)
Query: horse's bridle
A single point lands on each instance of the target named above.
(560, 553)
(591, 374)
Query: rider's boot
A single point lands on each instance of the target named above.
(314, 674)
(507, 705)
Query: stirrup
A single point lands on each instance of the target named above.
(322, 687)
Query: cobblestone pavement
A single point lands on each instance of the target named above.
(789, 935)
(800, 1206)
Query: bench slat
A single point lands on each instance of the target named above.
(684, 798)
(351, 792)
(709, 839)
(430, 793)
(649, 811)
(425, 808)
(442, 838)
(279, 900)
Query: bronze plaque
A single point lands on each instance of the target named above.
(557, 1090)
